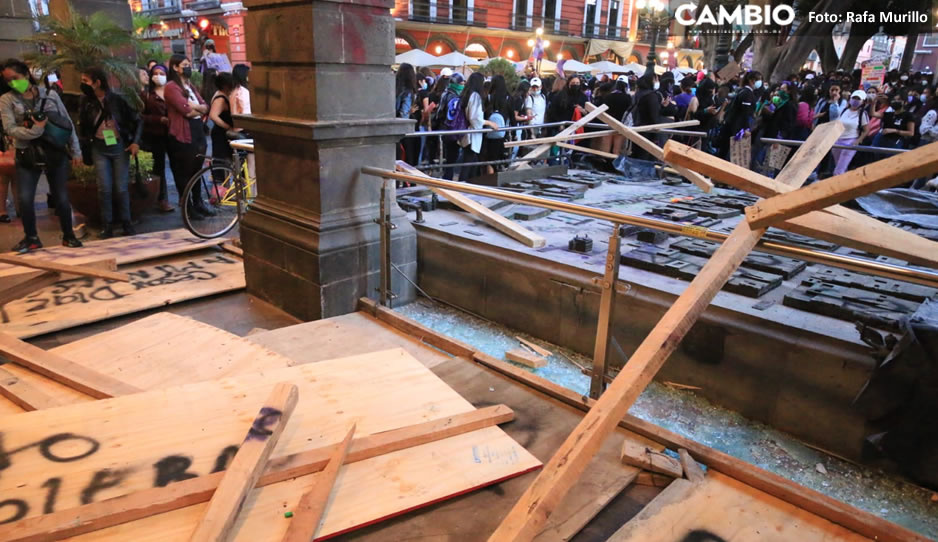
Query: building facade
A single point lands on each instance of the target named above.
(184, 25)
(925, 56)
(574, 29)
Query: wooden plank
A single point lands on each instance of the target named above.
(568, 131)
(529, 514)
(638, 455)
(82, 301)
(26, 287)
(810, 154)
(62, 370)
(879, 175)
(539, 349)
(148, 502)
(195, 427)
(497, 221)
(125, 250)
(558, 139)
(853, 518)
(651, 148)
(836, 224)
(308, 513)
(78, 270)
(23, 394)
(653, 479)
(228, 246)
(246, 467)
(525, 358)
(588, 150)
(727, 510)
(692, 470)
(600, 496)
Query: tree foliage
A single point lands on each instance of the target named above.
(506, 69)
(147, 50)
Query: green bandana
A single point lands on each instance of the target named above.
(19, 85)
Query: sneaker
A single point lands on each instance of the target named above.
(5, 219)
(129, 229)
(165, 207)
(28, 244)
(106, 233)
(205, 210)
(71, 242)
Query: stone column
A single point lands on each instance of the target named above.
(16, 23)
(322, 96)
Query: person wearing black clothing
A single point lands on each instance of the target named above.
(404, 105)
(113, 129)
(219, 113)
(619, 102)
(646, 108)
(563, 103)
(739, 114)
(155, 118)
(898, 126)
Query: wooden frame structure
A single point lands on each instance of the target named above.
(530, 513)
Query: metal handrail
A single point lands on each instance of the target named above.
(917, 276)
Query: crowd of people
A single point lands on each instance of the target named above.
(900, 113)
(174, 120)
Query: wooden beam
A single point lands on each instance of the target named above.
(490, 217)
(879, 175)
(809, 156)
(149, 502)
(558, 139)
(246, 466)
(524, 357)
(638, 455)
(308, 513)
(80, 270)
(23, 394)
(692, 470)
(566, 132)
(28, 286)
(836, 224)
(539, 349)
(529, 514)
(651, 148)
(228, 246)
(588, 150)
(63, 371)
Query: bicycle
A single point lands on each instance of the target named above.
(223, 186)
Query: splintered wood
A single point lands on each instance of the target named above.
(92, 451)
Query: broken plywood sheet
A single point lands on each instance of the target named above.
(125, 250)
(721, 508)
(101, 449)
(159, 351)
(81, 301)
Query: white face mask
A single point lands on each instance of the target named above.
(657, 85)
(758, 84)
(159, 80)
(53, 78)
(904, 78)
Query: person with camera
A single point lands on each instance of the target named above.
(112, 130)
(45, 140)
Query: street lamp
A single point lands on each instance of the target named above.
(655, 11)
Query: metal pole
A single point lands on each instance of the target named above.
(606, 305)
(384, 222)
(925, 278)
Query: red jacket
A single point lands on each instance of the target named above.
(177, 102)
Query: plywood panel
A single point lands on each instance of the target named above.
(80, 301)
(730, 511)
(124, 249)
(134, 442)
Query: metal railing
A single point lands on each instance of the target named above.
(605, 31)
(524, 23)
(445, 14)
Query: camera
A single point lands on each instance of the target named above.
(36, 116)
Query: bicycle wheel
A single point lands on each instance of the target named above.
(212, 188)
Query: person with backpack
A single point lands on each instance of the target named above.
(471, 109)
(497, 113)
(451, 120)
(405, 104)
(856, 127)
(28, 112)
(536, 106)
(112, 128)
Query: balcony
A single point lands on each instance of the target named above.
(443, 14)
(644, 35)
(605, 32)
(159, 7)
(556, 27)
(201, 5)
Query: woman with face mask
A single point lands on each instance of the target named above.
(898, 126)
(112, 128)
(856, 123)
(739, 114)
(186, 141)
(156, 128)
(25, 111)
(646, 108)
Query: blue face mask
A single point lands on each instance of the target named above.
(923, 98)
(758, 84)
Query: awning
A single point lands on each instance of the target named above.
(621, 48)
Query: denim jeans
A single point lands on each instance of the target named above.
(57, 168)
(112, 166)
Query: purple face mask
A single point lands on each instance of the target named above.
(855, 102)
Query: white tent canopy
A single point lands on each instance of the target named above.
(604, 66)
(575, 66)
(637, 69)
(416, 57)
(455, 59)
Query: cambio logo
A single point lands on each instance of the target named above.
(689, 14)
